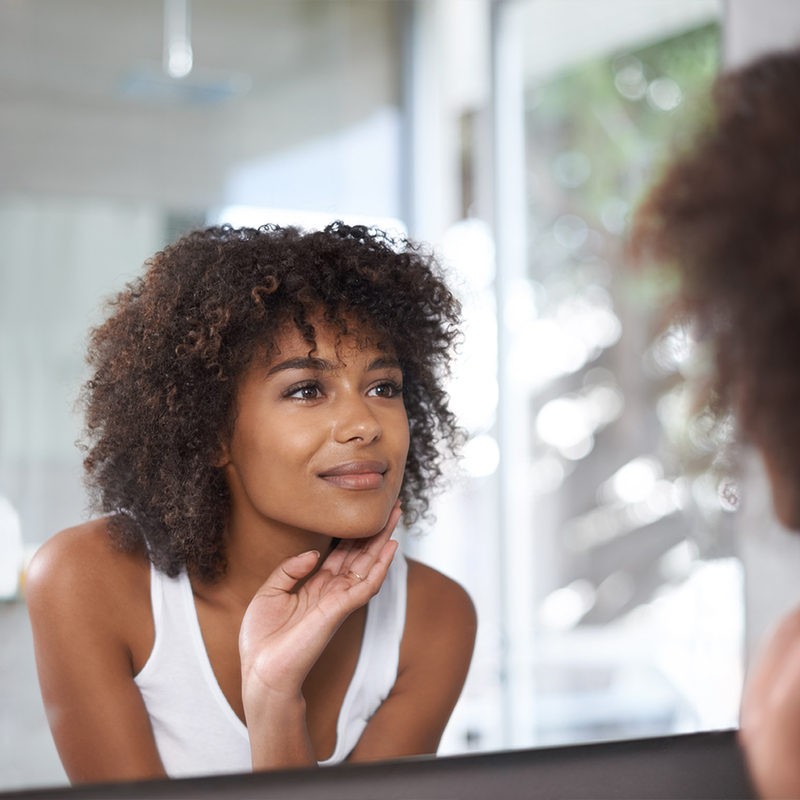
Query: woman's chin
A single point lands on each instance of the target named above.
(360, 528)
(355, 532)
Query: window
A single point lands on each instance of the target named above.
(610, 597)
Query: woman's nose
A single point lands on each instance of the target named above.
(356, 420)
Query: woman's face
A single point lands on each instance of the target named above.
(320, 441)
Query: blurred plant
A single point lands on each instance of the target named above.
(596, 138)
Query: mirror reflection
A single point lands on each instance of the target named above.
(239, 602)
(587, 520)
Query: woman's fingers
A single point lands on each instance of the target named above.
(285, 631)
(367, 550)
(335, 560)
(394, 517)
(371, 567)
(373, 571)
(341, 559)
(288, 572)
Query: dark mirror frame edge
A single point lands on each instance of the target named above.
(696, 765)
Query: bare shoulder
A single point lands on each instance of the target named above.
(89, 605)
(430, 589)
(439, 609)
(774, 680)
(80, 574)
(770, 713)
(786, 635)
(85, 555)
(778, 654)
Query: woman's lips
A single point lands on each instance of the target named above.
(356, 475)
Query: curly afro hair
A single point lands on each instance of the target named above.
(727, 214)
(166, 363)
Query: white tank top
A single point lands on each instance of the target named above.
(196, 730)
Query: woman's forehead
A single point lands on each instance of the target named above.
(331, 341)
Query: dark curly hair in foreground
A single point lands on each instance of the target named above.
(166, 364)
(728, 215)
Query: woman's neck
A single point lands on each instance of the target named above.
(255, 548)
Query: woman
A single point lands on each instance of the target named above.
(262, 402)
(727, 215)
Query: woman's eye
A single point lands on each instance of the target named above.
(308, 392)
(388, 389)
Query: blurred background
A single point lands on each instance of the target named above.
(594, 516)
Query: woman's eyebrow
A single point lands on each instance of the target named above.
(383, 363)
(302, 362)
(321, 365)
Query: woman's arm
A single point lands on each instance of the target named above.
(434, 658)
(285, 631)
(89, 609)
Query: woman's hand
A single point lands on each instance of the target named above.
(284, 632)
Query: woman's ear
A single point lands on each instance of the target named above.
(221, 455)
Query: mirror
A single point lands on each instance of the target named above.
(573, 525)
